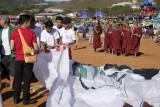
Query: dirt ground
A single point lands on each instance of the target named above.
(149, 58)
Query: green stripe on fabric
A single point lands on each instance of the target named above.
(102, 72)
(83, 72)
(95, 71)
(29, 53)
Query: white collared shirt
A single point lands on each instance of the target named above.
(49, 38)
(5, 42)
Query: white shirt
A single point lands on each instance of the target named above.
(37, 31)
(68, 36)
(49, 38)
(38, 25)
(5, 43)
(60, 31)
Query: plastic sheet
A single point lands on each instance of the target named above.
(74, 84)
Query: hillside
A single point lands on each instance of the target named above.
(16, 3)
(84, 4)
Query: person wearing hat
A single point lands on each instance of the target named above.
(7, 56)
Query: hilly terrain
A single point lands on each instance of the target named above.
(84, 4)
(7, 4)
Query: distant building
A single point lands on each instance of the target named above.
(53, 10)
(46, 15)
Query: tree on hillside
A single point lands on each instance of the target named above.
(4, 12)
(91, 10)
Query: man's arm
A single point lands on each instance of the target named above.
(72, 43)
(56, 42)
(35, 46)
(12, 45)
(60, 42)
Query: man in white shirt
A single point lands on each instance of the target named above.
(49, 36)
(36, 29)
(68, 37)
(59, 25)
(7, 56)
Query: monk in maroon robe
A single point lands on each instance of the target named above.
(108, 39)
(127, 41)
(96, 39)
(116, 35)
(123, 38)
(135, 41)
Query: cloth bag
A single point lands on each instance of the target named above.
(30, 55)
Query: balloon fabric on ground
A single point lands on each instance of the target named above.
(73, 84)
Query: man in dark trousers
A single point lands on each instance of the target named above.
(23, 69)
(7, 56)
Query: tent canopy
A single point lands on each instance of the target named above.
(101, 14)
(84, 14)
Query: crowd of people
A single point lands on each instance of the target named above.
(119, 39)
(13, 62)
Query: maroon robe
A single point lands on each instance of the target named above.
(107, 41)
(135, 41)
(123, 41)
(116, 35)
(127, 42)
(96, 39)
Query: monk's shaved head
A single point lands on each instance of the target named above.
(136, 25)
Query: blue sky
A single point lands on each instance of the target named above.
(57, 0)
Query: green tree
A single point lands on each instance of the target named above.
(17, 10)
(4, 11)
(91, 10)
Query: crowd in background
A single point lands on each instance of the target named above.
(119, 39)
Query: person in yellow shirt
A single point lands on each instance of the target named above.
(77, 37)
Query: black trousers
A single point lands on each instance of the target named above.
(23, 73)
(8, 65)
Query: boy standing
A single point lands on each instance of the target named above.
(23, 69)
(68, 37)
(49, 36)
